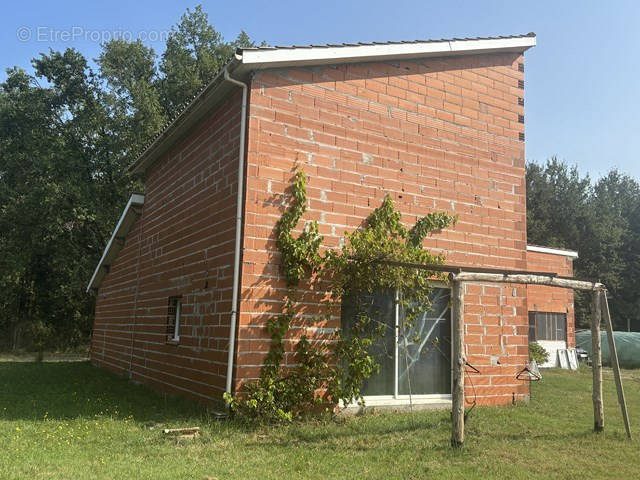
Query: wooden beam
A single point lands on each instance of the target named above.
(596, 361)
(613, 353)
(436, 267)
(528, 279)
(457, 393)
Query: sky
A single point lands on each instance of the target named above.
(582, 88)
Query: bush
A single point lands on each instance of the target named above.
(538, 353)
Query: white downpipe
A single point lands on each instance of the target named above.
(236, 258)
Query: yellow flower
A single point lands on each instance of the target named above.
(18, 429)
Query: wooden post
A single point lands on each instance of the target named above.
(596, 361)
(613, 353)
(457, 394)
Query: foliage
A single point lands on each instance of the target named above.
(194, 53)
(67, 134)
(538, 353)
(51, 208)
(601, 220)
(360, 268)
(300, 256)
(278, 395)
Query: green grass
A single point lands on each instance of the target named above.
(73, 421)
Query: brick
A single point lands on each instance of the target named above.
(435, 134)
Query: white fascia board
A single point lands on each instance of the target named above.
(361, 53)
(553, 251)
(129, 215)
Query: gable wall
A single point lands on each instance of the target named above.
(438, 135)
(181, 245)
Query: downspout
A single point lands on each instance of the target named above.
(236, 258)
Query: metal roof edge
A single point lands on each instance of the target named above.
(201, 101)
(128, 217)
(553, 251)
(330, 54)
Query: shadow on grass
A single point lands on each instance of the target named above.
(31, 391)
(575, 435)
(361, 432)
(72, 390)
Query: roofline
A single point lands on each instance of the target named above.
(553, 251)
(202, 102)
(129, 215)
(250, 59)
(281, 57)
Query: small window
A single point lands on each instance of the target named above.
(173, 319)
(547, 326)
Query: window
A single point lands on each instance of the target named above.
(547, 326)
(173, 319)
(416, 361)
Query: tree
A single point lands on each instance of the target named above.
(556, 204)
(616, 205)
(601, 221)
(195, 53)
(67, 135)
(129, 68)
(45, 213)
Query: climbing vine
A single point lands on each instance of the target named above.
(300, 256)
(331, 372)
(278, 395)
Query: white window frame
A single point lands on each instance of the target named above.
(177, 316)
(534, 313)
(397, 399)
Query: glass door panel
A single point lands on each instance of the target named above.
(381, 309)
(424, 350)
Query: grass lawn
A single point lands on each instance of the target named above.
(73, 421)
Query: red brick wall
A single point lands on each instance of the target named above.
(552, 299)
(436, 134)
(181, 245)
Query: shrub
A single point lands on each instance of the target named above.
(538, 353)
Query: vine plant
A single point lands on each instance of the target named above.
(331, 372)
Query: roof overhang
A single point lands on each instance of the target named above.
(130, 214)
(319, 55)
(250, 59)
(553, 251)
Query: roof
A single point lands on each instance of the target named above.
(130, 214)
(268, 57)
(247, 60)
(401, 42)
(553, 251)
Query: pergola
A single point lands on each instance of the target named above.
(459, 276)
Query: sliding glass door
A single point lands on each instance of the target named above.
(414, 359)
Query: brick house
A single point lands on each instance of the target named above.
(190, 276)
